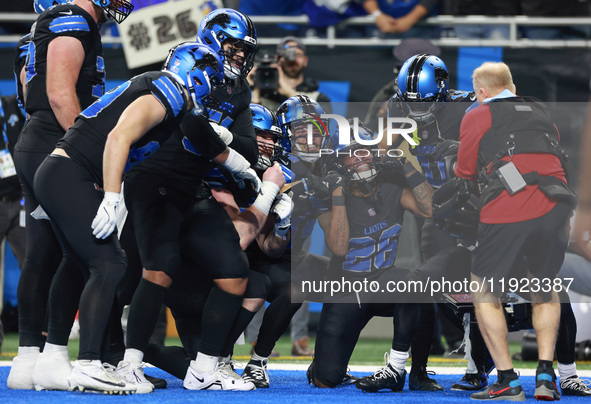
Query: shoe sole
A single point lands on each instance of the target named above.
(376, 390)
(465, 388)
(543, 393)
(519, 397)
(107, 392)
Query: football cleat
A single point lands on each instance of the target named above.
(52, 371)
(91, 375)
(133, 373)
(421, 381)
(256, 372)
(21, 372)
(471, 382)
(216, 379)
(384, 378)
(574, 386)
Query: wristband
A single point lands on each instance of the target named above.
(415, 180)
(376, 14)
(266, 197)
(338, 200)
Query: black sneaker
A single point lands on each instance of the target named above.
(508, 390)
(421, 381)
(471, 382)
(348, 379)
(573, 386)
(157, 382)
(256, 372)
(546, 389)
(385, 378)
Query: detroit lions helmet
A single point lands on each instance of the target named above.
(357, 162)
(198, 68)
(422, 83)
(298, 115)
(268, 133)
(223, 25)
(117, 10)
(41, 5)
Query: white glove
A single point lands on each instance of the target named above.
(240, 169)
(222, 132)
(106, 216)
(282, 208)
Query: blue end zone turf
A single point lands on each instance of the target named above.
(286, 387)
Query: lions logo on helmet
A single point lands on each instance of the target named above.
(225, 25)
(298, 116)
(198, 68)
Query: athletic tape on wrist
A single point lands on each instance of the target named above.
(266, 198)
(415, 180)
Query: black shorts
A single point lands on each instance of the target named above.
(541, 241)
(157, 214)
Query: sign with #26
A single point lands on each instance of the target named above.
(149, 33)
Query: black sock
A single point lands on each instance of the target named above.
(544, 367)
(143, 314)
(171, 359)
(219, 314)
(507, 375)
(242, 320)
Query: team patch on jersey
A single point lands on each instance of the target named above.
(371, 211)
(69, 23)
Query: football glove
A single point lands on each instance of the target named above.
(105, 220)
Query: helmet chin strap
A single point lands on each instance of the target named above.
(230, 71)
(308, 157)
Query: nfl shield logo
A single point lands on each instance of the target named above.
(371, 211)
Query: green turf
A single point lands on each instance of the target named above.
(367, 352)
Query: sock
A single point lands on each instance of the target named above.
(258, 358)
(567, 370)
(398, 360)
(28, 350)
(219, 314)
(205, 363)
(507, 375)
(545, 366)
(143, 314)
(54, 348)
(133, 355)
(242, 320)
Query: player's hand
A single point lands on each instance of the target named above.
(240, 169)
(105, 220)
(275, 175)
(446, 148)
(282, 208)
(223, 132)
(395, 165)
(324, 186)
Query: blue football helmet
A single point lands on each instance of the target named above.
(226, 24)
(41, 5)
(422, 84)
(198, 68)
(297, 116)
(355, 161)
(116, 10)
(268, 133)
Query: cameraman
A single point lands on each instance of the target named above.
(271, 89)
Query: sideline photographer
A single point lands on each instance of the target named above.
(276, 79)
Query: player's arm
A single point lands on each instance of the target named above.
(336, 225)
(138, 118)
(65, 56)
(418, 197)
(240, 136)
